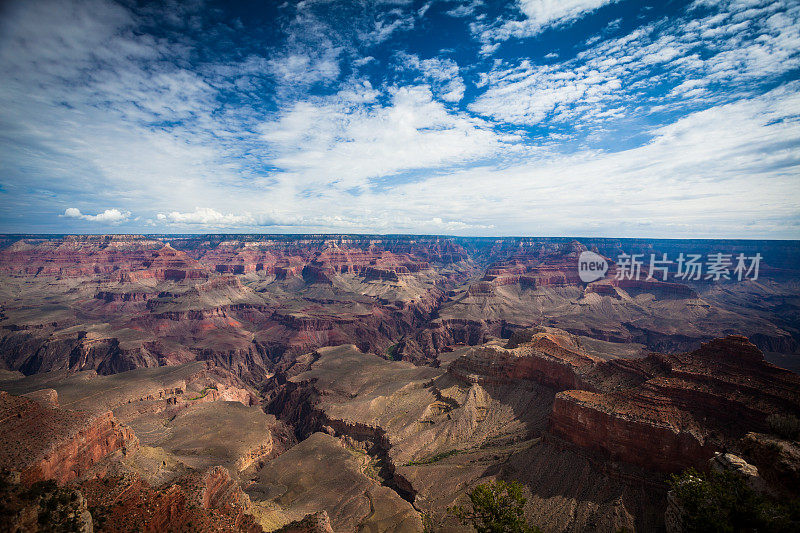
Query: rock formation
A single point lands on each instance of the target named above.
(681, 408)
(44, 443)
(312, 523)
(124, 302)
(318, 383)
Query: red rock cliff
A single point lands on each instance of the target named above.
(674, 411)
(48, 443)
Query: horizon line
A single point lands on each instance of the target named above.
(384, 235)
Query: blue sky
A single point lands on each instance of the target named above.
(529, 117)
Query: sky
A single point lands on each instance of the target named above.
(661, 119)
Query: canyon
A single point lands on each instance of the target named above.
(367, 383)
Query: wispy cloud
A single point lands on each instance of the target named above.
(346, 140)
(335, 118)
(537, 15)
(665, 64)
(443, 75)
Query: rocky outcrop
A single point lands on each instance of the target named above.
(312, 523)
(209, 501)
(777, 459)
(45, 351)
(168, 264)
(46, 397)
(675, 411)
(110, 296)
(728, 462)
(660, 288)
(43, 507)
(46, 443)
(547, 358)
(451, 331)
(218, 489)
(596, 422)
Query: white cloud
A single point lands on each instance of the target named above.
(538, 15)
(300, 68)
(465, 10)
(668, 63)
(346, 140)
(443, 74)
(109, 216)
(542, 13)
(99, 112)
(711, 170)
(384, 28)
(528, 94)
(207, 217)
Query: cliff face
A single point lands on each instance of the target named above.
(589, 420)
(675, 411)
(49, 443)
(661, 412)
(73, 457)
(548, 358)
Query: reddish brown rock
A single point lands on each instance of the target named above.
(198, 502)
(618, 427)
(46, 443)
(46, 397)
(312, 523)
(77, 256)
(256, 302)
(548, 358)
(668, 412)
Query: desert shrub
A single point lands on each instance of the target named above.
(428, 523)
(495, 507)
(433, 459)
(393, 352)
(784, 426)
(723, 502)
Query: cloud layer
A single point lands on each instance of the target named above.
(589, 117)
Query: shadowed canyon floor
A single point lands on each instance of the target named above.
(317, 383)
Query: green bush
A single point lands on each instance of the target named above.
(496, 507)
(722, 502)
(393, 352)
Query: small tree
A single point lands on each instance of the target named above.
(497, 507)
(722, 501)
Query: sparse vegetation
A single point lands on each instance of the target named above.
(722, 502)
(57, 507)
(393, 352)
(495, 507)
(428, 523)
(203, 393)
(433, 458)
(784, 426)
